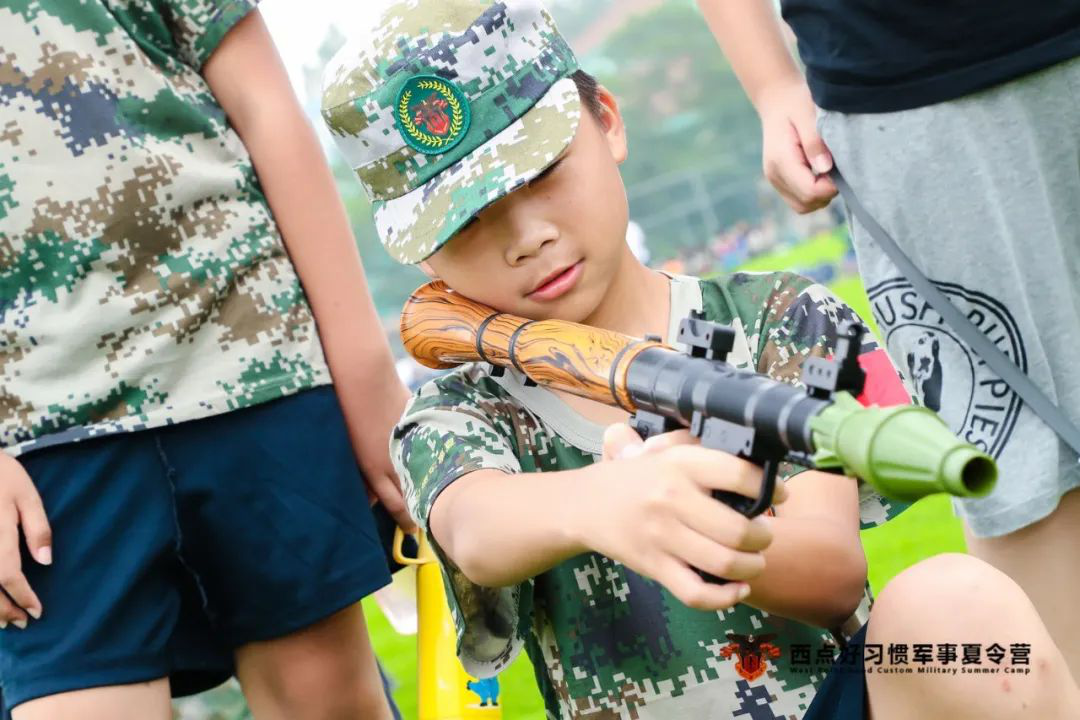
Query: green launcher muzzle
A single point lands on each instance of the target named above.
(905, 452)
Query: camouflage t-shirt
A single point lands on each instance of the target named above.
(142, 278)
(605, 641)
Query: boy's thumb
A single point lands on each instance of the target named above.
(621, 442)
(814, 148)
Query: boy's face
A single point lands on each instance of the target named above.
(552, 248)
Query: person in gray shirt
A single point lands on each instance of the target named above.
(958, 131)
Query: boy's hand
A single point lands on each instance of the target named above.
(385, 402)
(20, 504)
(621, 442)
(654, 513)
(795, 158)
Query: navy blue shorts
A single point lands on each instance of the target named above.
(174, 546)
(842, 695)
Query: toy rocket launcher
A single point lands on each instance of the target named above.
(904, 452)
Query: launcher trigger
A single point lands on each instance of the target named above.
(738, 440)
(648, 424)
(497, 371)
(705, 339)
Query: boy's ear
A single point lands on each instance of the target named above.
(611, 124)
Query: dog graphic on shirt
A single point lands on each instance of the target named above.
(924, 369)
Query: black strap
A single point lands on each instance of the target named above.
(512, 350)
(480, 336)
(1050, 413)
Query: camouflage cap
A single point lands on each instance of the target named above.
(444, 107)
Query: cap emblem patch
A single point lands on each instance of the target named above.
(432, 114)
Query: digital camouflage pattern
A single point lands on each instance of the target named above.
(142, 278)
(511, 65)
(606, 642)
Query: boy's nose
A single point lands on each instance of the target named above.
(523, 248)
(529, 236)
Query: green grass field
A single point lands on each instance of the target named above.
(925, 529)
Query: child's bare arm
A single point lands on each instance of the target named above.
(653, 514)
(750, 34)
(815, 569)
(248, 79)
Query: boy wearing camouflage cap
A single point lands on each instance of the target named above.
(165, 398)
(492, 161)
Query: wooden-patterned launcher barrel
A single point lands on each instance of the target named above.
(442, 329)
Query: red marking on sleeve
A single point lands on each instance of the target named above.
(883, 386)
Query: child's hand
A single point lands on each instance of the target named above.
(20, 504)
(654, 513)
(795, 158)
(385, 402)
(621, 442)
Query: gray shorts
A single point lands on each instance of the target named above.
(983, 194)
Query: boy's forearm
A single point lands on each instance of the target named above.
(750, 34)
(815, 569)
(308, 210)
(501, 529)
(812, 572)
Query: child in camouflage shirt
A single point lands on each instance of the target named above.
(492, 161)
(187, 479)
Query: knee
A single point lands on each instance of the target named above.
(947, 592)
(322, 688)
(959, 599)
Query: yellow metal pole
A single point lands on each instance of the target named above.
(443, 684)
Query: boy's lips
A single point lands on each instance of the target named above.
(558, 283)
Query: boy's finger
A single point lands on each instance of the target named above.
(621, 442)
(801, 181)
(715, 558)
(670, 439)
(780, 494)
(18, 589)
(722, 524)
(389, 495)
(813, 146)
(10, 613)
(796, 165)
(793, 202)
(715, 470)
(35, 527)
(692, 591)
